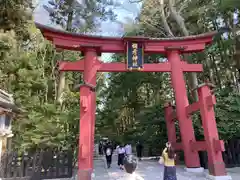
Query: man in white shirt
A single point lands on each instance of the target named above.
(128, 149)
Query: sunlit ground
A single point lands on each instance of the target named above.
(126, 176)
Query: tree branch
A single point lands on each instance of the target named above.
(183, 6)
(164, 20)
(135, 1)
(177, 17)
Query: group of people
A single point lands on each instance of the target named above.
(167, 159)
(122, 152)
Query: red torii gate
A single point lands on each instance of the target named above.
(92, 46)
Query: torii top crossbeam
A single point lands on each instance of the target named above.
(79, 42)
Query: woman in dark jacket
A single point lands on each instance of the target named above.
(108, 150)
(139, 149)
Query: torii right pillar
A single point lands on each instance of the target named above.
(191, 158)
(214, 146)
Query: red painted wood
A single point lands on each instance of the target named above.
(72, 41)
(87, 115)
(201, 145)
(71, 65)
(215, 161)
(185, 122)
(110, 46)
(173, 116)
(170, 123)
(122, 67)
(219, 145)
(159, 47)
(118, 46)
(192, 108)
(195, 146)
(177, 146)
(198, 146)
(84, 142)
(211, 100)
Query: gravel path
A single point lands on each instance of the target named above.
(150, 170)
(147, 170)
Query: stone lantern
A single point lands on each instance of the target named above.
(7, 111)
(5, 125)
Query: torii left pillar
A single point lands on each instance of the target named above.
(87, 116)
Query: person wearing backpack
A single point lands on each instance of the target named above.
(108, 154)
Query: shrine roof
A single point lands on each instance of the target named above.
(7, 102)
(44, 28)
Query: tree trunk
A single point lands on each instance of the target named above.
(211, 74)
(180, 21)
(164, 20)
(177, 17)
(69, 21)
(216, 70)
(62, 80)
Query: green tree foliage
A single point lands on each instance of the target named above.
(31, 79)
(228, 113)
(14, 15)
(28, 70)
(75, 15)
